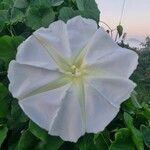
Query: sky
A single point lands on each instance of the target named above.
(136, 18)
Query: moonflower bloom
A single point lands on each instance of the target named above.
(71, 78)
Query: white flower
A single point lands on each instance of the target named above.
(71, 78)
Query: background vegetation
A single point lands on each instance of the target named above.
(130, 130)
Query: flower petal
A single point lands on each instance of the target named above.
(99, 112)
(43, 107)
(114, 90)
(80, 31)
(56, 35)
(60, 60)
(121, 63)
(26, 78)
(68, 123)
(31, 52)
(100, 46)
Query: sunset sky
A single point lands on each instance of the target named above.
(136, 18)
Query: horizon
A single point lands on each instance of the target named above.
(133, 12)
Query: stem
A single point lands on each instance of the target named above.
(11, 31)
(111, 30)
(122, 12)
(116, 37)
(104, 139)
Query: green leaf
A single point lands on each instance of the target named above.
(16, 16)
(21, 4)
(67, 13)
(17, 118)
(87, 5)
(38, 3)
(3, 91)
(13, 139)
(6, 4)
(146, 135)
(2, 66)
(134, 100)
(3, 18)
(136, 134)
(146, 113)
(37, 131)
(3, 134)
(8, 48)
(56, 2)
(87, 9)
(27, 141)
(122, 140)
(86, 142)
(50, 142)
(128, 120)
(40, 16)
(4, 108)
(92, 14)
(12, 14)
(4, 103)
(120, 30)
(46, 3)
(101, 141)
(128, 106)
(138, 139)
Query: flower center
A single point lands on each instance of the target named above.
(75, 71)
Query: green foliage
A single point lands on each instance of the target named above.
(3, 18)
(122, 140)
(136, 134)
(4, 103)
(39, 16)
(144, 68)
(16, 118)
(47, 141)
(25, 143)
(86, 143)
(37, 13)
(128, 131)
(3, 134)
(146, 134)
(66, 13)
(21, 4)
(9, 47)
(86, 8)
(134, 100)
(102, 141)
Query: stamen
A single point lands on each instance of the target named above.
(75, 71)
